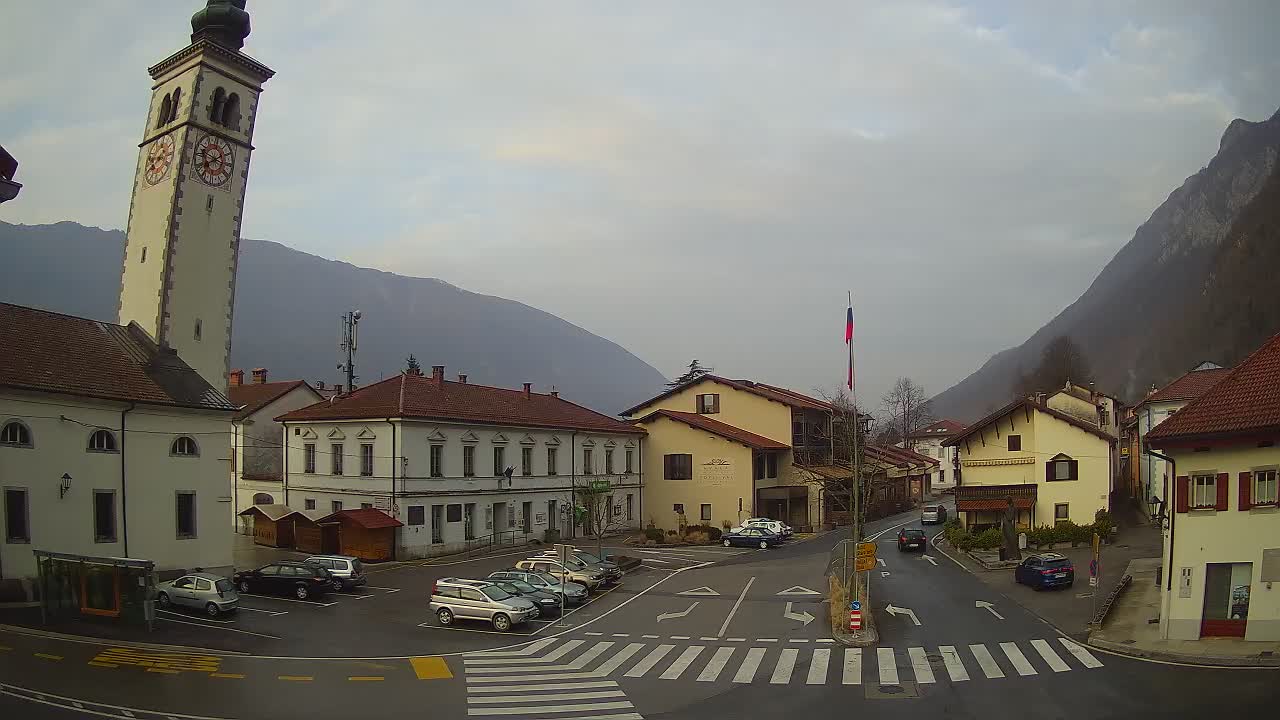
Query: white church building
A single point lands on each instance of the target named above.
(114, 437)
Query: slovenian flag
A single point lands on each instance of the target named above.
(848, 339)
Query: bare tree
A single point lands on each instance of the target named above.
(599, 516)
(907, 408)
(845, 436)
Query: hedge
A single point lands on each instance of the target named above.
(1065, 532)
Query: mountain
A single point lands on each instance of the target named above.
(1196, 282)
(287, 311)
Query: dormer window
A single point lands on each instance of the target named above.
(708, 404)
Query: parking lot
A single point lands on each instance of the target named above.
(388, 617)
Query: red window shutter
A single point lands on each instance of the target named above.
(1224, 479)
(1246, 483)
(1184, 494)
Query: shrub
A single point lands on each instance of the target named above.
(1041, 536)
(1066, 532)
(988, 539)
(726, 525)
(653, 534)
(711, 531)
(695, 536)
(1103, 524)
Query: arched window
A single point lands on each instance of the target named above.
(263, 499)
(184, 446)
(231, 112)
(177, 100)
(215, 107)
(163, 116)
(102, 441)
(16, 434)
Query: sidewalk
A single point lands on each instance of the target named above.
(1071, 609)
(1128, 629)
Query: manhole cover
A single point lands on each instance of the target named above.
(892, 692)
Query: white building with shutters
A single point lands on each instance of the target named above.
(434, 454)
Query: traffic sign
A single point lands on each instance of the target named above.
(855, 605)
(864, 564)
(598, 485)
(1093, 582)
(855, 620)
(866, 549)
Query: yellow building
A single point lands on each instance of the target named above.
(734, 449)
(1222, 533)
(1055, 466)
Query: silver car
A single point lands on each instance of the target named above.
(479, 600)
(574, 594)
(347, 571)
(211, 593)
(933, 514)
(573, 571)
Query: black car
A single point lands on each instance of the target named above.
(751, 537)
(912, 539)
(301, 580)
(547, 603)
(1045, 570)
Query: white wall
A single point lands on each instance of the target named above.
(415, 487)
(153, 479)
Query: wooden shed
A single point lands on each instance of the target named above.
(366, 533)
(271, 525)
(307, 531)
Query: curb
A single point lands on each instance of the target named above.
(1183, 659)
(105, 642)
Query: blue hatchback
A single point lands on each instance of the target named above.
(1044, 571)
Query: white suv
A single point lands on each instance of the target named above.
(774, 526)
(479, 600)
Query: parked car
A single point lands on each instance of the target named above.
(548, 603)
(775, 526)
(574, 593)
(347, 571)
(479, 600)
(933, 515)
(204, 591)
(912, 539)
(751, 537)
(612, 573)
(591, 578)
(1045, 570)
(299, 579)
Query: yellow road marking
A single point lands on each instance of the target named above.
(157, 659)
(95, 663)
(47, 656)
(166, 671)
(299, 678)
(430, 668)
(234, 676)
(365, 678)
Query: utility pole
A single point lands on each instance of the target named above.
(350, 331)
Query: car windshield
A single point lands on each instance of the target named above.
(548, 578)
(586, 557)
(1059, 564)
(223, 585)
(520, 586)
(914, 533)
(493, 592)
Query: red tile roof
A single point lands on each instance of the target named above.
(255, 396)
(769, 392)
(50, 352)
(1190, 386)
(898, 456)
(724, 430)
(421, 397)
(367, 518)
(982, 505)
(1247, 400)
(1018, 404)
(941, 428)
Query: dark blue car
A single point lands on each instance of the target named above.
(751, 537)
(1045, 570)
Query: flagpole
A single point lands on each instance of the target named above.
(857, 474)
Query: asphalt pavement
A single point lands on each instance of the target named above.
(694, 632)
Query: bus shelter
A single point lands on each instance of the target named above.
(112, 587)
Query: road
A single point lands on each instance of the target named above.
(697, 632)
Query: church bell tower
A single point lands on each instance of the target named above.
(179, 274)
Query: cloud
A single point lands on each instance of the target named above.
(688, 180)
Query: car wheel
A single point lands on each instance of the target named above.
(302, 592)
(501, 622)
(244, 586)
(163, 600)
(337, 585)
(211, 610)
(764, 544)
(727, 543)
(445, 616)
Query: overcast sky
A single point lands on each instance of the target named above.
(689, 179)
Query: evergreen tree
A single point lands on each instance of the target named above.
(694, 372)
(413, 367)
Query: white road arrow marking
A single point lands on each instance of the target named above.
(881, 561)
(903, 611)
(799, 590)
(668, 616)
(704, 590)
(931, 560)
(987, 605)
(803, 617)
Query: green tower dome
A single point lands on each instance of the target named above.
(225, 22)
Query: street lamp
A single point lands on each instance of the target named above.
(65, 487)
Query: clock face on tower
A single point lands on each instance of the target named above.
(214, 160)
(159, 157)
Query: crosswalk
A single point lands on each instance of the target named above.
(559, 666)
(528, 684)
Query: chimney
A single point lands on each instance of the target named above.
(555, 393)
(319, 384)
(437, 374)
(259, 376)
(528, 390)
(236, 377)
(462, 378)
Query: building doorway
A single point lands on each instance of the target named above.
(469, 521)
(527, 520)
(500, 517)
(553, 516)
(1226, 599)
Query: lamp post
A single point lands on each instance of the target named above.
(65, 487)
